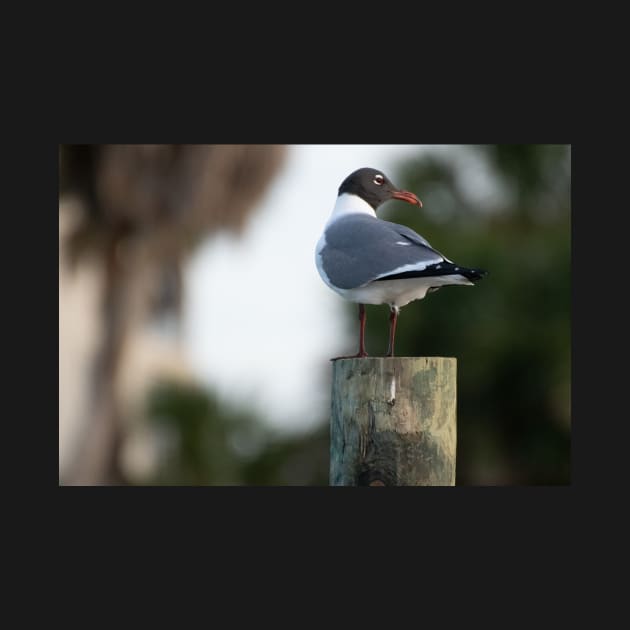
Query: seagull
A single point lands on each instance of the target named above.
(370, 261)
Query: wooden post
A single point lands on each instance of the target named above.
(393, 422)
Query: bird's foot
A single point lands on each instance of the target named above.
(359, 355)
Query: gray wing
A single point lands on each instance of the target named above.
(360, 249)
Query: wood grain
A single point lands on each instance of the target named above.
(393, 422)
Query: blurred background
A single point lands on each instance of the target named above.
(195, 333)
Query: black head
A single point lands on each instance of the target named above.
(374, 187)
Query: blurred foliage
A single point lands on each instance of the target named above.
(510, 333)
(206, 442)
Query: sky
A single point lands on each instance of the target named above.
(259, 325)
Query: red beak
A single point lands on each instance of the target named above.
(403, 195)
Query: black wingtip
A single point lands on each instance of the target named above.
(441, 269)
(475, 274)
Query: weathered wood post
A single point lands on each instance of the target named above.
(393, 422)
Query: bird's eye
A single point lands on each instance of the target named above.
(378, 180)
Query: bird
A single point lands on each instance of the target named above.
(371, 261)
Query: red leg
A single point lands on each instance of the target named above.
(362, 353)
(393, 319)
(362, 317)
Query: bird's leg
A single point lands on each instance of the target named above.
(362, 353)
(393, 318)
(362, 317)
